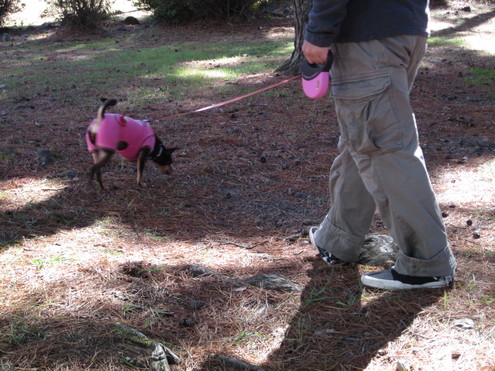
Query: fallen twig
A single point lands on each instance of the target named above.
(242, 246)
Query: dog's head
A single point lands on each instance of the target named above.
(162, 157)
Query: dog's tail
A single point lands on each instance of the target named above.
(101, 114)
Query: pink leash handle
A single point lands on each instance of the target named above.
(316, 77)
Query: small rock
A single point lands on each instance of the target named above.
(273, 282)
(379, 251)
(229, 363)
(71, 174)
(131, 21)
(45, 157)
(325, 333)
(196, 304)
(5, 37)
(188, 322)
(382, 352)
(230, 194)
(7, 154)
(464, 323)
(197, 270)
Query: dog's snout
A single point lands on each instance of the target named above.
(166, 169)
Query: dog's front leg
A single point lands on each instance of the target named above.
(100, 158)
(141, 162)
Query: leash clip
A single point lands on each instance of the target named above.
(316, 77)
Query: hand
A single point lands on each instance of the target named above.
(315, 54)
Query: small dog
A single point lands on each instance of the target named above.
(134, 140)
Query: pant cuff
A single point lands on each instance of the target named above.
(441, 265)
(338, 242)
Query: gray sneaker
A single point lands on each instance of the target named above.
(325, 255)
(389, 279)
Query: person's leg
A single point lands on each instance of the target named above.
(371, 83)
(343, 230)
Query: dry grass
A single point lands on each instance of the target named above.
(76, 261)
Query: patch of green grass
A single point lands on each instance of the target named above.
(22, 333)
(439, 41)
(246, 335)
(164, 212)
(481, 76)
(488, 299)
(316, 294)
(112, 252)
(300, 328)
(155, 235)
(349, 303)
(41, 263)
(6, 156)
(139, 75)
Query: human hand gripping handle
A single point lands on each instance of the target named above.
(315, 77)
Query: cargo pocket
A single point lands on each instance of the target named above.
(367, 119)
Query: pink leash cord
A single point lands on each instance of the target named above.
(228, 101)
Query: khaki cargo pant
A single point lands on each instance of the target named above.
(380, 164)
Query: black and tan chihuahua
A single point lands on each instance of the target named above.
(133, 139)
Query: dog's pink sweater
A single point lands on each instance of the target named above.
(115, 128)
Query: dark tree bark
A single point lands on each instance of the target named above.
(301, 10)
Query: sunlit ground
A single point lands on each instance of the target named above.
(480, 38)
(472, 186)
(71, 255)
(38, 12)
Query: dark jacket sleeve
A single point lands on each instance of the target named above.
(325, 20)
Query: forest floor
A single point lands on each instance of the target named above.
(173, 260)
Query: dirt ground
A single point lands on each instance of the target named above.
(250, 179)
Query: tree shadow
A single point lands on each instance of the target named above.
(232, 176)
(338, 327)
(466, 24)
(256, 168)
(246, 172)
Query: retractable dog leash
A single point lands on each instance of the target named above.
(316, 77)
(228, 101)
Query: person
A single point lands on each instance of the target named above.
(377, 47)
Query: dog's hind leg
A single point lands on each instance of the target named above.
(100, 158)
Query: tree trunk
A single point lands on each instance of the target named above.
(301, 11)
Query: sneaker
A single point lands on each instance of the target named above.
(389, 279)
(325, 255)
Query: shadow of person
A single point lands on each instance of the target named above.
(340, 325)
